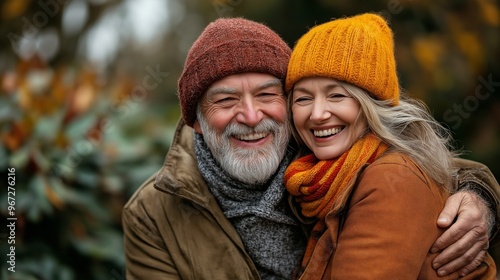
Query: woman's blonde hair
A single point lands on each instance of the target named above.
(408, 128)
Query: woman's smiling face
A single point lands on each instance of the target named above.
(325, 114)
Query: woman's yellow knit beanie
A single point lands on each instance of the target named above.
(358, 50)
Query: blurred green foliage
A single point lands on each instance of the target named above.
(83, 136)
(78, 156)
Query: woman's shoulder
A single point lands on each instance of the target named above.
(394, 157)
(397, 171)
(397, 163)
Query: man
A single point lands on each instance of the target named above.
(218, 209)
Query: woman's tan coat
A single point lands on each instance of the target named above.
(389, 227)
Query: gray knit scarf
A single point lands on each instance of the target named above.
(260, 213)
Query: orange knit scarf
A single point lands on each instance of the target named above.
(321, 186)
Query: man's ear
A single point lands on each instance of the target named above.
(197, 127)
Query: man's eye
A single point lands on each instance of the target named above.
(267, 94)
(225, 100)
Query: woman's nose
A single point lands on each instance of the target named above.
(320, 111)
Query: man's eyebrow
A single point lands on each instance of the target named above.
(270, 83)
(217, 90)
(264, 85)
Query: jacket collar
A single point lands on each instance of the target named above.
(180, 177)
(179, 174)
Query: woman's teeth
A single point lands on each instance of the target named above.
(327, 132)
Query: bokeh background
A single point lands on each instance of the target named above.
(88, 104)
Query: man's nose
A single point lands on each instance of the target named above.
(249, 112)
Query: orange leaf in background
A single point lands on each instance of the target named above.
(13, 139)
(471, 48)
(23, 67)
(54, 199)
(122, 90)
(59, 89)
(19, 132)
(467, 42)
(83, 98)
(80, 100)
(61, 140)
(24, 96)
(14, 8)
(9, 82)
(427, 51)
(80, 96)
(95, 134)
(490, 12)
(35, 93)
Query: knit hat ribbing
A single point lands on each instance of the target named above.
(358, 50)
(226, 47)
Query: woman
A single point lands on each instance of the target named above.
(374, 175)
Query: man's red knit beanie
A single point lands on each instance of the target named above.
(226, 47)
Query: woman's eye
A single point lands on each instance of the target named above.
(302, 100)
(337, 97)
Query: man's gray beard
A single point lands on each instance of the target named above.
(248, 165)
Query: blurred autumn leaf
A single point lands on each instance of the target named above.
(70, 174)
(83, 135)
(14, 8)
